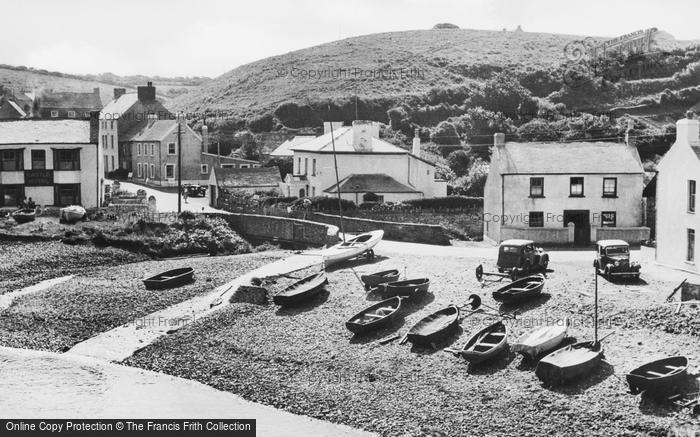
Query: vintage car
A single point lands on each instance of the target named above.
(612, 260)
(522, 256)
(195, 190)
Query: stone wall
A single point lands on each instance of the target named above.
(412, 232)
(287, 230)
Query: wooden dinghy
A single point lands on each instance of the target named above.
(485, 344)
(351, 248)
(301, 290)
(170, 279)
(434, 327)
(73, 213)
(413, 288)
(375, 316)
(659, 378)
(374, 279)
(569, 363)
(521, 289)
(531, 344)
(24, 215)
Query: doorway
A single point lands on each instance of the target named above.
(582, 225)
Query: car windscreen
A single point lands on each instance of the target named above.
(617, 250)
(511, 249)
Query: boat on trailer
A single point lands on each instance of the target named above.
(375, 316)
(301, 290)
(484, 345)
(374, 279)
(531, 344)
(352, 248)
(170, 279)
(659, 378)
(521, 289)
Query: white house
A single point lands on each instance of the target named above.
(55, 162)
(284, 150)
(677, 217)
(564, 192)
(369, 169)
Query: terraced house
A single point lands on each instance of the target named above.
(55, 162)
(564, 193)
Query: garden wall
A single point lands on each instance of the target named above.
(282, 229)
(412, 232)
(632, 235)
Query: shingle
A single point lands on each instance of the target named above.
(370, 183)
(44, 131)
(575, 158)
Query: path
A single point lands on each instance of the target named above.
(167, 202)
(44, 384)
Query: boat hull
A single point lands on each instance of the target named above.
(352, 248)
(434, 327)
(302, 290)
(413, 288)
(24, 216)
(497, 344)
(542, 340)
(375, 279)
(514, 292)
(569, 364)
(362, 328)
(169, 279)
(659, 386)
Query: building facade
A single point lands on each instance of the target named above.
(677, 219)
(252, 180)
(573, 193)
(53, 162)
(369, 169)
(66, 104)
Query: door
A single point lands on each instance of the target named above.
(582, 226)
(212, 196)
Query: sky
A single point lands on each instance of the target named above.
(210, 37)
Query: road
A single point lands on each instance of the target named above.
(167, 202)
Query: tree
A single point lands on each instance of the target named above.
(445, 133)
(537, 130)
(503, 94)
(472, 184)
(263, 123)
(460, 162)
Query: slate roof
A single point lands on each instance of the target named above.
(150, 130)
(262, 177)
(568, 158)
(284, 149)
(370, 183)
(70, 100)
(44, 131)
(117, 107)
(343, 143)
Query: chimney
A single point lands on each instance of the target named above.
(146, 93)
(205, 139)
(499, 139)
(327, 126)
(94, 126)
(416, 144)
(362, 133)
(118, 92)
(688, 130)
(630, 140)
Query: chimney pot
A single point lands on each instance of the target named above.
(416, 143)
(499, 139)
(688, 131)
(205, 139)
(146, 93)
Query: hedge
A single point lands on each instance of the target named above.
(449, 202)
(323, 203)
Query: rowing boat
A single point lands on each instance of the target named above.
(72, 213)
(301, 290)
(485, 344)
(375, 316)
(569, 363)
(521, 289)
(414, 288)
(170, 279)
(532, 344)
(660, 377)
(374, 279)
(24, 215)
(434, 327)
(351, 248)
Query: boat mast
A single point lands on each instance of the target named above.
(337, 184)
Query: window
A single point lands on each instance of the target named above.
(608, 219)
(139, 172)
(536, 219)
(153, 149)
(71, 114)
(66, 159)
(576, 187)
(86, 114)
(609, 187)
(67, 194)
(313, 167)
(299, 168)
(153, 171)
(204, 169)
(10, 195)
(690, 254)
(170, 171)
(313, 189)
(12, 160)
(691, 196)
(171, 148)
(138, 149)
(38, 159)
(536, 187)
(111, 124)
(306, 165)
(112, 162)
(244, 166)
(112, 141)
(54, 114)
(227, 166)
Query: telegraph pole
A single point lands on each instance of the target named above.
(179, 167)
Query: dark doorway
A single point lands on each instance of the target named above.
(582, 225)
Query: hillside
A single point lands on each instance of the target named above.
(429, 58)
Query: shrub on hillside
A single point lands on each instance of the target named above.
(460, 161)
(324, 203)
(472, 184)
(264, 123)
(503, 94)
(445, 133)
